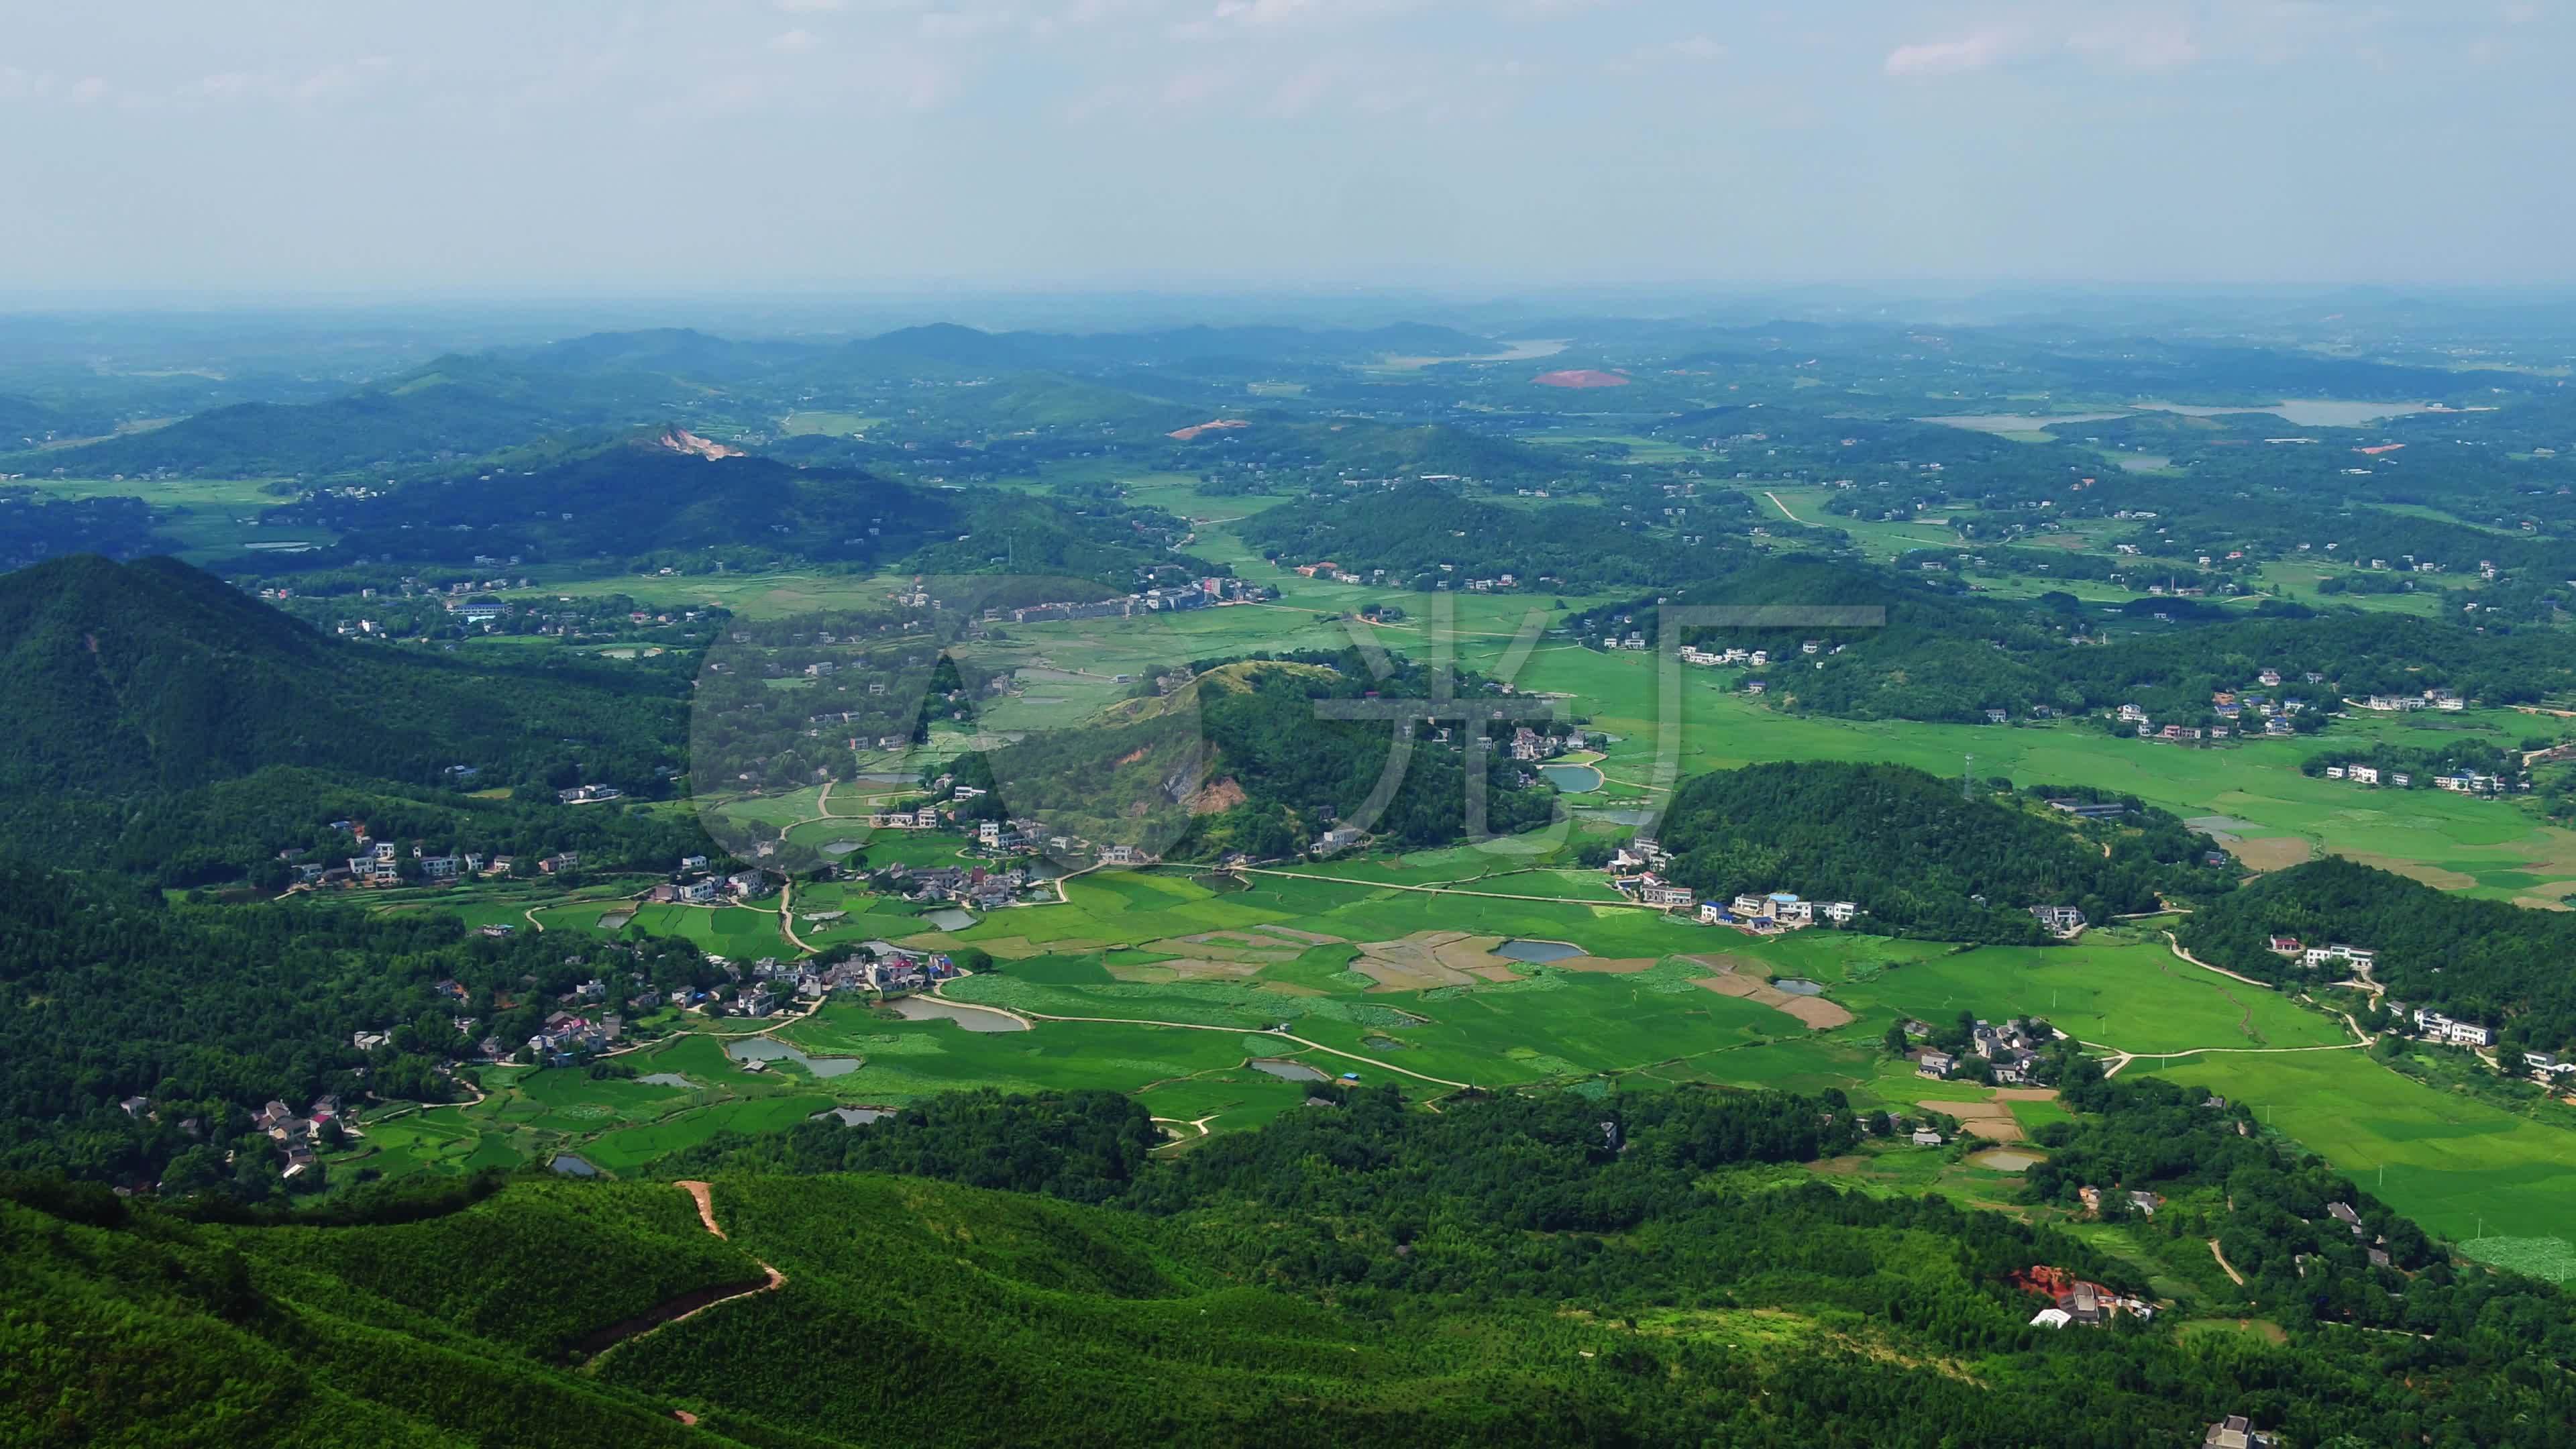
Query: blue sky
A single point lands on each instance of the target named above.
(476, 147)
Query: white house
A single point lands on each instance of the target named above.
(2458, 1033)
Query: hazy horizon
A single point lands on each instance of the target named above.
(863, 147)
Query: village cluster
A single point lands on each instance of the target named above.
(1166, 598)
(1637, 871)
(384, 863)
(2408, 1019)
(1327, 569)
(2010, 1052)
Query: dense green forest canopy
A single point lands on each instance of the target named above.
(212, 1011)
(1425, 536)
(650, 500)
(2490, 962)
(1917, 857)
(127, 680)
(35, 526)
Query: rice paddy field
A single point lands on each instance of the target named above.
(2461, 1167)
(207, 517)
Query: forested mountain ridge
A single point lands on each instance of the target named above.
(119, 680)
(652, 497)
(453, 406)
(1917, 857)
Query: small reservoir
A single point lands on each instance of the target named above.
(1572, 779)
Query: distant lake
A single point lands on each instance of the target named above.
(1537, 952)
(667, 1079)
(1572, 779)
(765, 1049)
(1287, 1070)
(855, 1116)
(571, 1166)
(1528, 350)
(1633, 815)
(840, 847)
(1798, 986)
(2306, 412)
(2016, 422)
(2301, 412)
(924, 1008)
(949, 918)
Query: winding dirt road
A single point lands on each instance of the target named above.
(669, 1313)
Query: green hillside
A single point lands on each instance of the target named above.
(1917, 856)
(649, 497)
(1535, 1270)
(122, 680)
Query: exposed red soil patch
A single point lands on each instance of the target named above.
(1224, 795)
(1185, 434)
(681, 440)
(1580, 377)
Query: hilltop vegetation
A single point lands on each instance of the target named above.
(2479, 961)
(1424, 536)
(651, 501)
(1919, 858)
(122, 681)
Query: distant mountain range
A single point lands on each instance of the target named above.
(462, 406)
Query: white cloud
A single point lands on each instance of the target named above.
(89, 89)
(1951, 57)
(792, 41)
(809, 7)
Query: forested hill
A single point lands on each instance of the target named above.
(2490, 962)
(453, 406)
(1425, 536)
(649, 497)
(1915, 855)
(120, 680)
